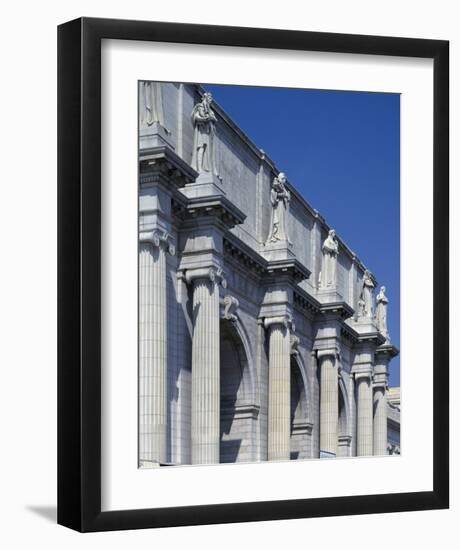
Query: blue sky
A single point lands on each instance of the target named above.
(341, 151)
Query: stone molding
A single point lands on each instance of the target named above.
(245, 410)
(302, 427)
(344, 440)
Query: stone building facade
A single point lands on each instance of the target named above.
(260, 335)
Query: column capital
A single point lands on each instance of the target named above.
(380, 378)
(158, 238)
(213, 274)
(362, 371)
(328, 352)
(284, 320)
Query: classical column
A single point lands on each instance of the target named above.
(380, 422)
(279, 388)
(153, 346)
(329, 402)
(364, 422)
(205, 365)
(380, 408)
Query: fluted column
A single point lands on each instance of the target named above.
(380, 410)
(279, 388)
(364, 425)
(153, 346)
(205, 366)
(329, 402)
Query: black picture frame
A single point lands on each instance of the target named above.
(79, 274)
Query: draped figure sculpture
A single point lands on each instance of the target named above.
(279, 198)
(330, 248)
(367, 294)
(204, 120)
(152, 103)
(381, 312)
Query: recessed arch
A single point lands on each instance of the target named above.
(300, 399)
(344, 435)
(238, 410)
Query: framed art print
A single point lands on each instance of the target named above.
(253, 274)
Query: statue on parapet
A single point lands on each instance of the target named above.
(204, 121)
(381, 312)
(330, 249)
(279, 198)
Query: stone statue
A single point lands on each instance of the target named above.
(279, 197)
(381, 312)
(204, 120)
(361, 307)
(367, 294)
(152, 103)
(330, 248)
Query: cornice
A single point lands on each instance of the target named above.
(306, 301)
(340, 309)
(388, 349)
(290, 267)
(244, 254)
(215, 206)
(162, 165)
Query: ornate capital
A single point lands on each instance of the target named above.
(158, 238)
(284, 320)
(363, 371)
(214, 274)
(329, 352)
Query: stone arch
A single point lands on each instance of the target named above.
(238, 410)
(301, 426)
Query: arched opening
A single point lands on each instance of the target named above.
(237, 409)
(300, 425)
(343, 435)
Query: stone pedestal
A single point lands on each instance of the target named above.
(364, 425)
(329, 402)
(279, 388)
(205, 421)
(153, 347)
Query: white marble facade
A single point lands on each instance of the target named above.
(260, 337)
